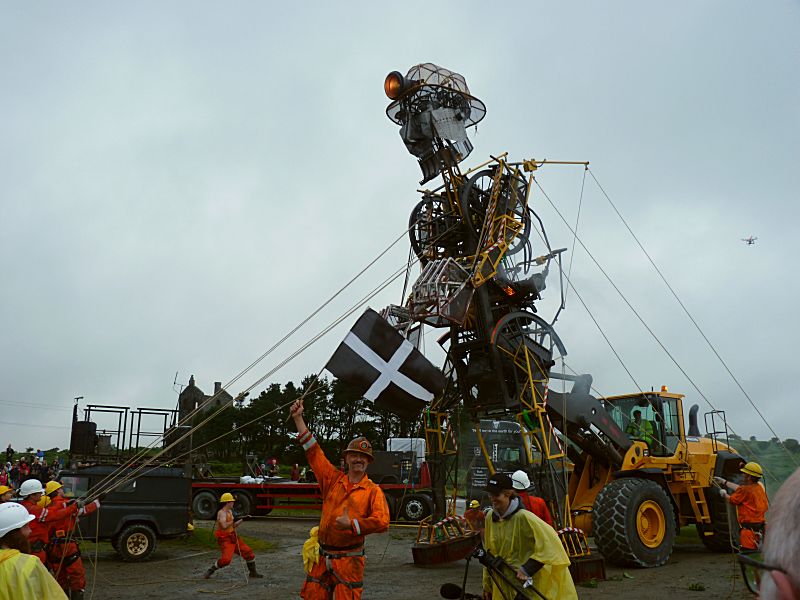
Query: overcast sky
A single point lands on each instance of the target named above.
(184, 182)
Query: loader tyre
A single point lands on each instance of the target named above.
(634, 523)
(720, 526)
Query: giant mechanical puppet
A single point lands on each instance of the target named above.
(485, 258)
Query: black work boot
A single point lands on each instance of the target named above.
(210, 571)
(251, 565)
(76, 595)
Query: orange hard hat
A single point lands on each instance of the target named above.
(362, 446)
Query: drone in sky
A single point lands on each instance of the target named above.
(749, 240)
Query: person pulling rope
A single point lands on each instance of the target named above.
(230, 543)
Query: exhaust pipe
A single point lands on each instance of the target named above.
(694, 430)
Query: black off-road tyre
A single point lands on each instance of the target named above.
(136, 543)
(720, 526)
(204, 505)
(615, 517)
(243, 505)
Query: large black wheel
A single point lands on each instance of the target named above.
(633, 523)
(511, 197)
(719, 538)
(136, 543)
(416, 507)
(204, 505)
(243, 504)
(434, 229)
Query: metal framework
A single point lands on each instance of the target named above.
(481, 276)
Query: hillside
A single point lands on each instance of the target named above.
(777, 461)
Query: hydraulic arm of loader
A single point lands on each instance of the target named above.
(593, 429)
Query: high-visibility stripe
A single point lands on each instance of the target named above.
(356, 526)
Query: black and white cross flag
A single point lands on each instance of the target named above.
(381, 365)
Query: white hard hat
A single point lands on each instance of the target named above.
(13, 516)
(31, 486)
(520, 480)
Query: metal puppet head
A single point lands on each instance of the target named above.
(433, 107)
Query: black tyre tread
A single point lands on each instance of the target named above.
(610, 522)
(126, 532)
(207, 496)
(720, 526)
(244, 504)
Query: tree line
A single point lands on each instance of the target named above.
(333, 412)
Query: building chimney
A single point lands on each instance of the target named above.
(217, 387)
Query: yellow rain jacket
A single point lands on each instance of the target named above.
(516, 539)
(24, 577)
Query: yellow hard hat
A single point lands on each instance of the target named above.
(227, 497)
(753, 469)
(474, 504)
(4, 489)
(51, 487)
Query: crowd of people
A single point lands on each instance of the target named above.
(14, 473)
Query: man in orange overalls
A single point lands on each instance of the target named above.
(352, 507)
(475, 516)
(31, 492)
(751, 504)
(63, 554)
(530, 501)
(229, 543)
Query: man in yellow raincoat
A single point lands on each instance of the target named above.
(527, 544)
(22, 575)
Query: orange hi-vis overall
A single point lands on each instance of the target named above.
(40, 526)
(63, 555)
(537, 506)
(751, 507)
(229, 543)
(339, 573)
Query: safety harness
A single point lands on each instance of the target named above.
(330, 579)
(61, 537)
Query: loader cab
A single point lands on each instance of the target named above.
(661, 419)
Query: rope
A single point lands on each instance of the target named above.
(636, 313)
(577, 221)
(201, 407)
(138, 471)
(692, 319)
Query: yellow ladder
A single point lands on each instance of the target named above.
(697, 498)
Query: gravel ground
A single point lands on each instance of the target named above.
(175, 572)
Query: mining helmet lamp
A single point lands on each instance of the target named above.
(394, 85)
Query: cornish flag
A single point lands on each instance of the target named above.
(383, 366)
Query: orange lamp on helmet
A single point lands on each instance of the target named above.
(393, 85)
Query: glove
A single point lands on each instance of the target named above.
(80, 502)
